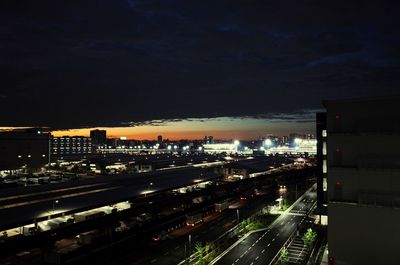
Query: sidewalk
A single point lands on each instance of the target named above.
(324, 260)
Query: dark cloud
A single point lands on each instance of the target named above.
(69, 64)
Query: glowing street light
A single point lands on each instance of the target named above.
(267, 142)
(298, 140)
(236, 142)
(54, 205)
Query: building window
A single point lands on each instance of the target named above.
(324, 152)
(325, 185)
(324, 134)
(324, 167)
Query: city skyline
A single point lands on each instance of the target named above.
(224, 128)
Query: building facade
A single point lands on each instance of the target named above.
(24, 149)
(71, 145)
(363, 180)
(322, 184)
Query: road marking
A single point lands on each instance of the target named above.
(176, 247)
(269, 244)
(236, 260)
(263, 251)
(154, 260)
(257, 257)
(166, 253)
(273, 239)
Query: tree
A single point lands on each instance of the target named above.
(284, 259)
(309, 237)
(200, 252)
(209, 247)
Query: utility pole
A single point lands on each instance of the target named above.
(190, 244)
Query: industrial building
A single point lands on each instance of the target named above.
(71, 145)
(363, 175)
(322, 184)
(23, 149)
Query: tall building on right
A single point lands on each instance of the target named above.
(363, 175)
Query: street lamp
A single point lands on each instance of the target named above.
(283, 191)
(268, 142)
(190, 244)
(54, 205)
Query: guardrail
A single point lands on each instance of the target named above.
(287, 242)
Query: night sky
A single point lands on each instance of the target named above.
(255, 66)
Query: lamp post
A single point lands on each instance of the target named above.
(148, 188)
(190, 244)
(54, 205)
(282, 191)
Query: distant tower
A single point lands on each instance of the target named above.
(208, 139)
(99, 137)
(159, 139)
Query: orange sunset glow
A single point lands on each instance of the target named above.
(220, 128)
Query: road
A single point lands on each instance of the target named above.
(262, 247)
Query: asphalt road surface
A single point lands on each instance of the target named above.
(262, 247)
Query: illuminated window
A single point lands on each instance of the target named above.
(324, 152)
(324, 133)
(324, 167)
(325, 184)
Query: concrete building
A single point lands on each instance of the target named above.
(322, 184)
(28, 148)
(74, 145)
(228, 148)
(363, 180)
(99, 137)
(208, 139)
